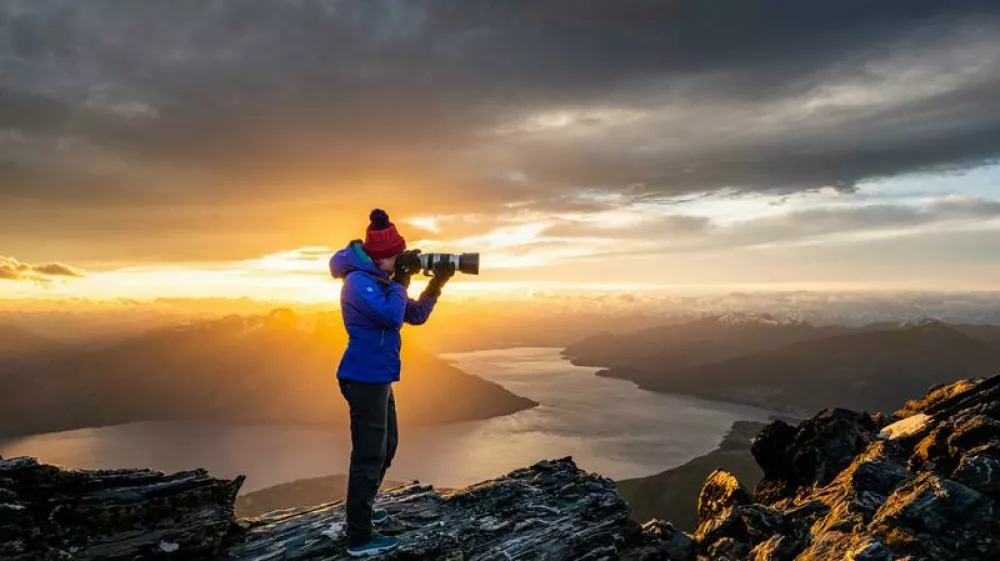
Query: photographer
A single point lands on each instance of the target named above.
(374, 305)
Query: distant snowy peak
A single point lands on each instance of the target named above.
(922, 322)
(745, 318)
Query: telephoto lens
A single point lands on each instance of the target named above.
(467, 263)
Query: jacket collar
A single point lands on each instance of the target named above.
(366, 264)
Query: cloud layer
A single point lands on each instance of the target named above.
(12, 269)
(214, 127)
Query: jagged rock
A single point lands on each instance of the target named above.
(770, 450)
(728, 549)
(881, 420)
(861, 489)
(979, 472)
(50, 512)
(551, 510)
(941, 519)
(948, 441)
(871, 550)
(719, 508)
(925, 487)
(812, 454)
(721, 491)
(935, 396)
(807, 511)
(660, 541)
(963, 395)
(876, 470)
(990, 409)
(727, 523)
(826, 444)
(971, 431)
(932, 453)
(761, 522)
(776, 548)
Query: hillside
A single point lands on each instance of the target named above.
(269, 369)
(987, 333)
(17, 343)
(673, 494)
(867, 369)
(691, 343)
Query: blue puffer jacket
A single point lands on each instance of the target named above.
(374, 309)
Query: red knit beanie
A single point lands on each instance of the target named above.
(381, 239)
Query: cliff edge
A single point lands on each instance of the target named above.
(921, 484)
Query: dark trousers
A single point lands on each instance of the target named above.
(374, 436)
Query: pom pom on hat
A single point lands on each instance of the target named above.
(379, 219)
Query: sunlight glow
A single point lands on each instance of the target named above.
(707, 242)
(505, 237)
(426, 222)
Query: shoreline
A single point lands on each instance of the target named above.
(785, 410)
(303, 451)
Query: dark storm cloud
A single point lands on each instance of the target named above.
(12, 269)
(487, 103)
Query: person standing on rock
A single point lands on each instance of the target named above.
(374, 305)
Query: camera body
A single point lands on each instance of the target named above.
(414, 260)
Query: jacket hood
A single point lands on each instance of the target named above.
(353, 258)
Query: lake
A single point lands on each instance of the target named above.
(609, 426)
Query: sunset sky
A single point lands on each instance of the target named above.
(226, 148)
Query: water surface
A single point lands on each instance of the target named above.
(608, 425)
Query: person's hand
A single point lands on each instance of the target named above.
(406, 265)
(409, 261)
(443, 271)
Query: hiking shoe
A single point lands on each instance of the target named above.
(380, 516)
(379, 544)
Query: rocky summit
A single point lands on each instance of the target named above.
(922, 484)
(551, 510)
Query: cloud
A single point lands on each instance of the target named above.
(12, 269)
(622, 225)
(542, 241)
(164, 109)
(858, 223)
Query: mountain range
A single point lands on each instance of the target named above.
(793, 366)
(272, 368)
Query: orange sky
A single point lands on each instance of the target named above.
(225, 150)
(814, 241)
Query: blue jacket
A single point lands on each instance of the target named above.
(374, 309)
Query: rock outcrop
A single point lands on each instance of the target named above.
(923, 484)
(551, 510)
(47, 512)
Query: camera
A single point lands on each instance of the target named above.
(413, 261)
